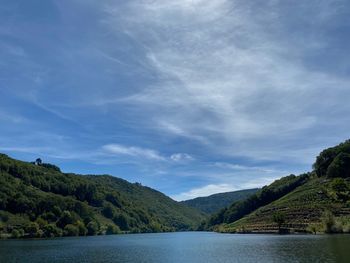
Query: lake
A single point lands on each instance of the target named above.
(193, 247)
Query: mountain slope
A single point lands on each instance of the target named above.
(317, 202)
(261, 198)
(39, 200)
(213, 203)
(301, 209)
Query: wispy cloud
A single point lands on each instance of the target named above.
(239, 167)
(133, 151)
(144, 153)
(181, 157)
(227, 76)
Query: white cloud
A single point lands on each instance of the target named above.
(222, 188)
(239, 167)
(181, 157)
(118, 149)
(204, 191)
(133, 151)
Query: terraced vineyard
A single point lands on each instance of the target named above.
(301, 207)
(321, 203)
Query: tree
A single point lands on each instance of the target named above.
(328, 221)
(122, 221)
(92, 228)
(82, 229)
(112, 229)
(108, 211)
(38, 161)
(51, 230)
(279, 218)
(33, 229)
(71, 230)
(327, 156)
(15, 233)
(340, 167)
(66, 218)
(41, 222)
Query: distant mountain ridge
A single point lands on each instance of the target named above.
(213, 203)
(37, 200)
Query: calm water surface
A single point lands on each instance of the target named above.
(193, 247)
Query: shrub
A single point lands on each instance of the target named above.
(49, 216)
(314, 228)
(41, 222)
(92, 228)
(108, 211)
(71, 230)
(82, 229)
(279, 218)
(122, 221)
(33, 229)
(51, 230)
(15, 234)
(112, 229)
(328, 221)
(66, 218)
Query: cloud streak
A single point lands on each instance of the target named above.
(211, 189)
(133, 151)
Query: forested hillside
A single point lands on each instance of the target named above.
(315, 202)
(38, 200)
(213, 203)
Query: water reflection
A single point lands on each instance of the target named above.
(194, 247)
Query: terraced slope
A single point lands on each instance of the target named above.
(301, 208)
(321, 203)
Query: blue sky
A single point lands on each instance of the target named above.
(188, 97)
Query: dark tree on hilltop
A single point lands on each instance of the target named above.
(338, 154)
(340, 167)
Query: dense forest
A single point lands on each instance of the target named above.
(213, 203)
(38, 200)
(318, 201)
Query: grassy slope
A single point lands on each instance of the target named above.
(303, 206)
(213, 203)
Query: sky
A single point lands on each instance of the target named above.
(190, 97)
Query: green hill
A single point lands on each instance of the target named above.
(213, 203)
(38, 200)
(315, 202)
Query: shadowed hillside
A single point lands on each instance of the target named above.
(213, 203)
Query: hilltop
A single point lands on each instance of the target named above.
(38, 200)
(213, 203)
